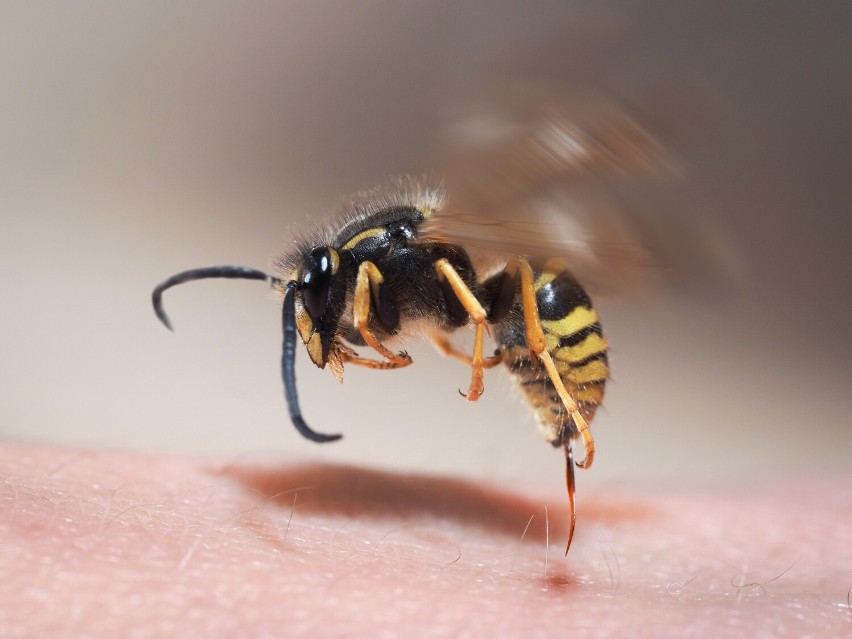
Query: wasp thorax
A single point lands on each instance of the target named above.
(316, 282)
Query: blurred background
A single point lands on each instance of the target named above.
(142, 139)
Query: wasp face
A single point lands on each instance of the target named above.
(316, 283)
(322, 288)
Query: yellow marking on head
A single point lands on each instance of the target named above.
(335, 260)
(363, 235)
(592, 345)
(578, 319)
(305, 326)
(314, 346)
(304, 323)
(595, 371)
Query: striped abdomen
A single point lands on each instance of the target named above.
(575, 340)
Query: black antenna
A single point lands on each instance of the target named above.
(288, 369)
(288, 358)
(229, 272)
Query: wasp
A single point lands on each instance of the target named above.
(407, 256)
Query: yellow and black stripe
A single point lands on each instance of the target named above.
(574, 338)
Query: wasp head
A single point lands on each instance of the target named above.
(321, 285)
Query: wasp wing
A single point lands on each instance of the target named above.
(603, 247)
(540, 173)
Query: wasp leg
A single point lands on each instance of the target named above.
(446, 273)
(373, 363)
(500, 307)
(445, 348)
(535, 342)
(369, 285)
(341, 354)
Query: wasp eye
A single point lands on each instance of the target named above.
(316, 282)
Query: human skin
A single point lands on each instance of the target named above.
(114, 544)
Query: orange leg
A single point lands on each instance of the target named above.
(367, 283)
(446, 272)
(443, 345)
(535, 342)
(341, 354)
(349, 356)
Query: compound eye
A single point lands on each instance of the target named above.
(316, 282)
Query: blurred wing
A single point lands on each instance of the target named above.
(585, 229)
(531, 137)
(541, 174)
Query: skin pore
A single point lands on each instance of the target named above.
(114, 544)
